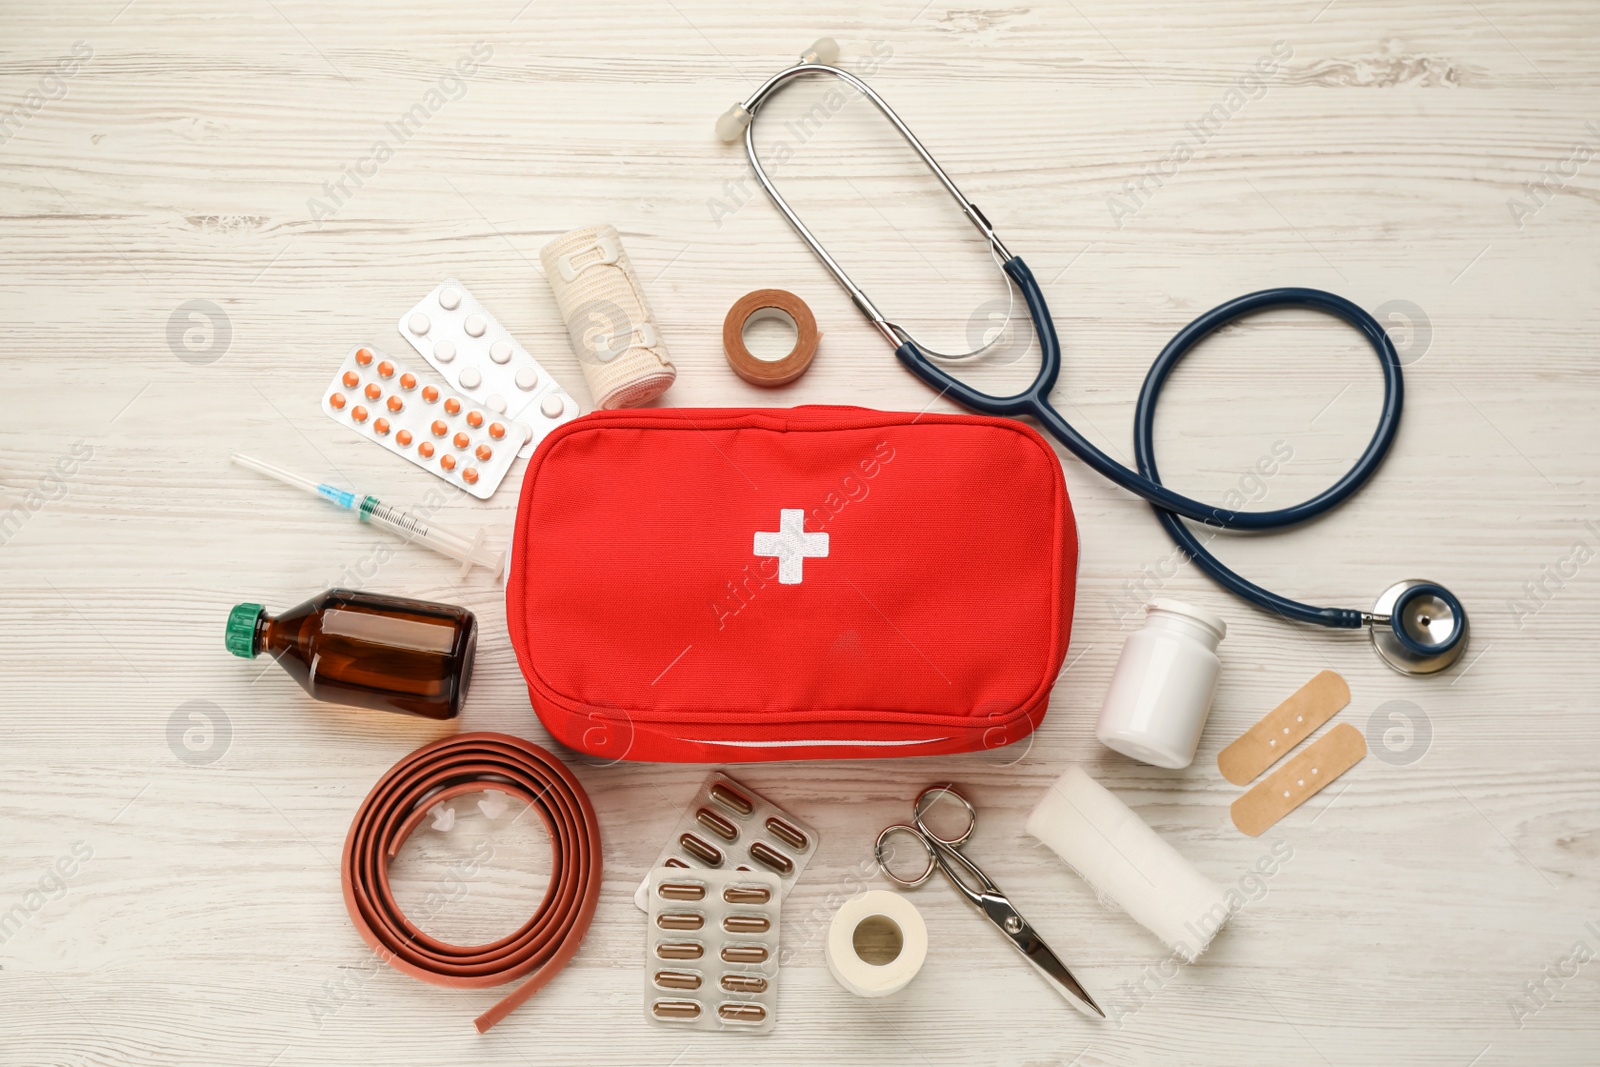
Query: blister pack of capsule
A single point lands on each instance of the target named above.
(456, 334)
(711, 953)
(729, 826)
(444, 433)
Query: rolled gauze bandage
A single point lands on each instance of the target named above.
(607, 317)
(1113, 850)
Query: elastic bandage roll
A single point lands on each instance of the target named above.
(607, 317)
(1127, 864)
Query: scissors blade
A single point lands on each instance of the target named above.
(1036, 952)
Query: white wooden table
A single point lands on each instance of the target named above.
(173, 293)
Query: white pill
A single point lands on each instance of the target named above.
(418, 324)
(449, 299)
(500, 352)
(527, 378)
(475, 325)
(523, 430)
(470, 378)
(444, 351)
(551, 406)
(496, 402)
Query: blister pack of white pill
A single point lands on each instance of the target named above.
(711, 950)
(456, 334)
(445, 434)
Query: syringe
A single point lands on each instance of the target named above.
(403, 524)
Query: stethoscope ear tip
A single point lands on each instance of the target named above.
(824, 50)
(1419, 627)
(732, 122)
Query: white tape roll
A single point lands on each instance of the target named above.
(876, 921)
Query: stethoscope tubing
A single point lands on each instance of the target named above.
(1034, 402)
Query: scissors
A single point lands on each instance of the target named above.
(945, 853)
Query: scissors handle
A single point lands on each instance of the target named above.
(943, 852)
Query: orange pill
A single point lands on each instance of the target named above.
(337, 400)
(363, 357)
(396, 404)
(469, 476)
(351, 379)
(453, 406)
(484, 452)
(380, 425)
(358, 413)
(403, 437)
(429, 393)
(425, 450)
(386, 369)
(496, 431)
(408, 380)
(461, 440)
(474, 419)
(439, 428)
(373, 391)
(448, 462)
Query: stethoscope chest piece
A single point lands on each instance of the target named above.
(1418, 627)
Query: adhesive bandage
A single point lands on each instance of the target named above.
(1284, 727)
(1300, 779)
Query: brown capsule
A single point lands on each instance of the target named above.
(676, 1009)
(701, 849)
(744, 983)
(680, 920)
(768, 856)
(746, 894)
(742, 1013)
(681, 891)
(732, 799)
(673, 861)
(788, 833)
(681, 950)
(746, 924)
(680, 980)
(743, 953)
(716, 824)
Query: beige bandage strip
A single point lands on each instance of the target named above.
(1300, 779)
(608, 318)
(1284, 727)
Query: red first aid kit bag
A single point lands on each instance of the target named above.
(727, 585)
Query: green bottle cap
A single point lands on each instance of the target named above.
(241, 634)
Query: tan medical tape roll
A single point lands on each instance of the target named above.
(607, 317)
(881, 913)
(769, 372)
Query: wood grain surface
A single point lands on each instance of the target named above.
(195, 225)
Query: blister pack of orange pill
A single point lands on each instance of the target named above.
(433, 426)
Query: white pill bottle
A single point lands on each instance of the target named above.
(1161, 692)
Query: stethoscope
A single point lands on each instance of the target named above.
(1417, 627)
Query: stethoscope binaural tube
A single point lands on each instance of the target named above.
(1406, 635)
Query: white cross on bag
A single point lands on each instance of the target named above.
(792, 545)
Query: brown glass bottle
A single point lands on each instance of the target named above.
(366, 650)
